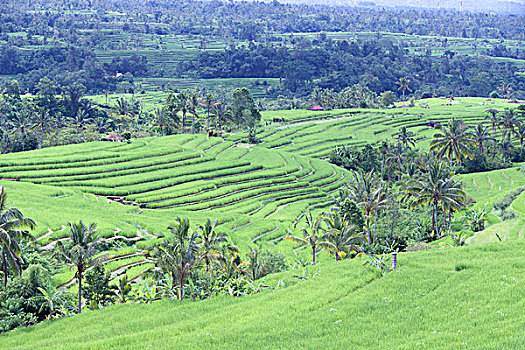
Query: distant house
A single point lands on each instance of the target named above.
(113, 138)
(315, 108)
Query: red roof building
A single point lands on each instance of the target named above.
(315, 108)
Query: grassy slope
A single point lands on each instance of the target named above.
(426, 303)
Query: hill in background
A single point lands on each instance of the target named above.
(510, 7)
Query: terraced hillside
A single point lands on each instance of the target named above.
(134, 191)
(315, 134)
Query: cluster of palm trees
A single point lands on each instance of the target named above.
(334, 232)
(191, 102)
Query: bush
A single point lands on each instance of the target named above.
(18, 306)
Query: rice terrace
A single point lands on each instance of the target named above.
(262, 174)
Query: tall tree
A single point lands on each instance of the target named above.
(493, 119)
(179, 255)
(312, 233)
(365, 190)
(210, 241)
(403, 85)
(222, 113)
(80, 251)
(12, 229)
(43, 121)
(22, 124)
(405, 137)
(341, 237)
(520, 134)
(482, 134)
(508, 120)
(244, 109)
(193, 103)
(436, 185)
(208, 102)
(453, 141)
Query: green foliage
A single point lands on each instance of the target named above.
(244, 110)
(97, 289)
(19, 305)
(387, 98)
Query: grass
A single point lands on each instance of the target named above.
(445, 298)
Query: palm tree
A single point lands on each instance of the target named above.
(50, 299)
(160, 119)
(493, 118)
(311, 233)
(222, 112)
(210, 241)
(178, 104)
(12, 225)
(506, 90)
(481, 134)
(520, 133)
(508, 120)
(80, 251)
(43, 121)
(405, 137)
(228, 257)
(403, 86)
(506, 147)
(453, 141)
(22, 124)
(341, 237)
(434, 186)
(122, 289)
(193, 103)
(178, 256)
(365, 191)
(209, 101)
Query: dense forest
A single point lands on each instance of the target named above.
(295, 43)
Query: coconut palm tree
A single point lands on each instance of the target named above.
(12, 225)
(493, 118)
(453, 141)
(43, 121)
(312, 233)
(209, 102)
(341, 236)
(222, 113)
(508, 121)
(364, 189)
(520, 134)
(210, 241)
(160, 119)
(180, 104)
(405, 137)
(434, 186)
(194, 102)
(22, 124)
(506, 147)
(179, 255)
(403, 86)
(482, 134)
(506, 90)
(80, 251)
